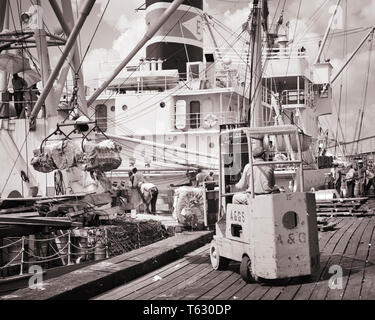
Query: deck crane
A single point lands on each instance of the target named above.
(365, 90)
(317, 60)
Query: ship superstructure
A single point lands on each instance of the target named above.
(169, 114)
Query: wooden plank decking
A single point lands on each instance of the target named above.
(96, 278)
(350, 245)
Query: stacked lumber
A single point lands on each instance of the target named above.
(61, 211)
(342, 207)
(324, 224)
(86, 209)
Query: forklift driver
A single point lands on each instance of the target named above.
(264, 179)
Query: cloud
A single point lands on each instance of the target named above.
(118, 10)
(100, 62)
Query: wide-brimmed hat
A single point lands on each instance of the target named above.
(258, 152)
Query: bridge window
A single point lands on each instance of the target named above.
(194, 71)
(181, 114)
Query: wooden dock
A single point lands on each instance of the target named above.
(350, 245)
(102, 276)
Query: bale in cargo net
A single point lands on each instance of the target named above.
(63, 154)
(57, 155)
(189, 206)
(103, 156)
(43, 162)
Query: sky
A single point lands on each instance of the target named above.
(123, 26)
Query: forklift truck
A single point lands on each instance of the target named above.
(274, 236)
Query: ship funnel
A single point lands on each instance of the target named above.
(180, 39)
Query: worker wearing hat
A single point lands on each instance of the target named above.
(360, 178)
(337, 177)
(264, 179)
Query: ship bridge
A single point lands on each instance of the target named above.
(302, 89)
(288, 75)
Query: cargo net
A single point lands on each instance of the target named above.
(126, 234)
(103, 156)
(75, 246)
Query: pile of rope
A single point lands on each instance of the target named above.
(126, 234)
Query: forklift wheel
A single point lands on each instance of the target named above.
(217, 262)
(246, 271)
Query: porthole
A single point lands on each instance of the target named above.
(211, 145)
(162, 104)
(124, 107)
(113, 108)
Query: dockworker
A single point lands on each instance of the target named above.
(200, 178)
(270, 151)
(4, 104)
(264, 179)
(31, 97)
(361, 177)
(189, 177)
(370, 179)
(336, 175)
(210, 177)
(19, 87)
(131, 178)
(328, 181)
(350, 182)
(150, 195)
(138, 178)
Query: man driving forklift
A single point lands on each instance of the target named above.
(264, 179)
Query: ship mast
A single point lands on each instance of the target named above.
(43, 57)
(255, 114)
(4, 24)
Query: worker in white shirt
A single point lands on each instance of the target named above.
(264, 179)
(350, 181)
(201, 176)
(270, 152)
(138, 178)
(337, 177)
(150, 195)
(370, 179)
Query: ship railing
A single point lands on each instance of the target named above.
(8, 103)
(264, 123)
(210, 119)
(22, 255)
(296, 97)
(284, 53)
(207, 120)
